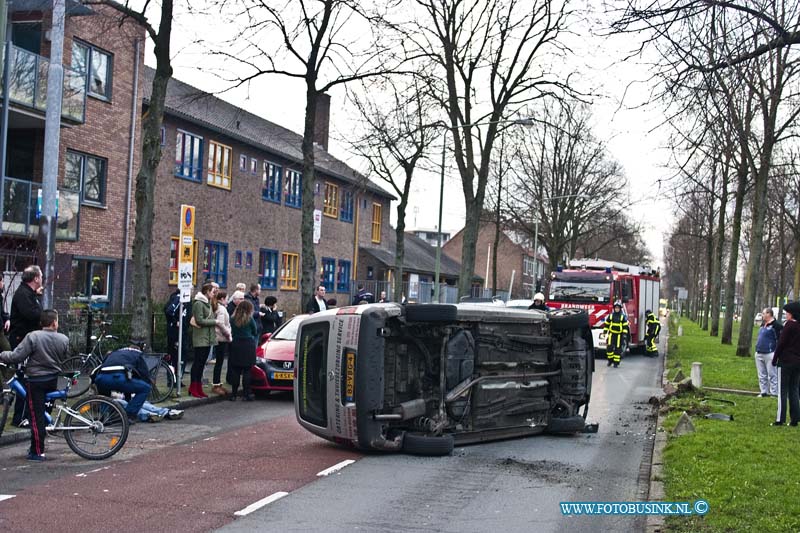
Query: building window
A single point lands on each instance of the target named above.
(243, 163)
(290, 267)
(215, 262)
(86, 174)
(91, 278)
(293, 190)
(377, 209)
(347, 207)
(271, 181)
(248, 260)
(237, 259)
(189, 156)
(328, 273)
(254, 166)
(96, 66)
(343, 276)
(173, 260)
(219, 165)
(331, 205)
(268, 268)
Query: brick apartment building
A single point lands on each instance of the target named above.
(512, 257)
(241, 172)
(99, 146)
(243, 175)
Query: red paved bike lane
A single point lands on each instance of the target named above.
(191, 487)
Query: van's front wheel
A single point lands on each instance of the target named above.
(418, 444)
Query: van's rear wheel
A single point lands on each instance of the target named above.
(441, 313)
(418, 444)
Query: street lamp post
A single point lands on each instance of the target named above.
(520, 121)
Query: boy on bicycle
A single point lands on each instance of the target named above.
(43, 350)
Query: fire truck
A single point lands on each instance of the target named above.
(595, 284)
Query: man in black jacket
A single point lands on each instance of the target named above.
(25, 307)
(26, 312)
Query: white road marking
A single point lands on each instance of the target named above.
(335, 468)
(261, 503)
(6, 496)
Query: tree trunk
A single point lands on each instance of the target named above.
(709, 271)
(716, 271)
(796, 283)
(733, 258)
(400, 236)
(471, 227)
(310, 276)
(141, 300)
(756, 246)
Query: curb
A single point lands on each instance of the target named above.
(656, 523)
(184, 402)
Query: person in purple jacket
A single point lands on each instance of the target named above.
(787, 359)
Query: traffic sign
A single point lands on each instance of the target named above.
(186, 257)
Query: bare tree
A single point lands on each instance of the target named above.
(142, 305)
(491, 58)
(564, 179)
(324, 43)
(396, 138)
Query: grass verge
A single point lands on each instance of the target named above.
(744, 468)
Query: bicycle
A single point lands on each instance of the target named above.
(162, 377)
(95, 428)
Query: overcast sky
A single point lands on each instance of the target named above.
(622, 118)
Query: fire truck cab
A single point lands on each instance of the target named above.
(594, 285)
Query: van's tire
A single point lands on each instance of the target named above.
(418, 444)
(441, 313)
(568, 318)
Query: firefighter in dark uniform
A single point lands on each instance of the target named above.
(651, 336)
(617, 331)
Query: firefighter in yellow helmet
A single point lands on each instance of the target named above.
(617, 332)
(651, 336)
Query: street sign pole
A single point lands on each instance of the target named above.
(185, 273)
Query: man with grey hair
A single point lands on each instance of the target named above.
(768, 335)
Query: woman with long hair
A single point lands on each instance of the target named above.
(223, 339)
(242, 350)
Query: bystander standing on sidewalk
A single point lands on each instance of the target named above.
(223, 330)
(768, 335)
(243, 349)
(787, 359)
(204, 336)
(26, 312)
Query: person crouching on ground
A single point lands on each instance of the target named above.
(43, 350)
(242, 350)
(125, 371)
(787, 359)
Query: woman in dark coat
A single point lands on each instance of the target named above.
(787, 358)
(242, 353)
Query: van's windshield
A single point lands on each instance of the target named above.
(311, 368)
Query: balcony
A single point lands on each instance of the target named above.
(22, 206)
(28, 85)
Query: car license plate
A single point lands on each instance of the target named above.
(283, 375)
(350, 380)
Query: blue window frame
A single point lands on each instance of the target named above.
(328, 273)
(347, 207)
(343, 276)
(237, 259)
(294, 189)
(215, 262)
(248, 260)
(271, 178)
(189, 156)
(268, 268)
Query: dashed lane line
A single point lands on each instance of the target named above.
(261, 503)
(335, 468)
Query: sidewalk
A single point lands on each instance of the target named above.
(12, 435)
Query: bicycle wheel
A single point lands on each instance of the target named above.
(83, 364)
(163, 380)
(104, 434)
(5, 405)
